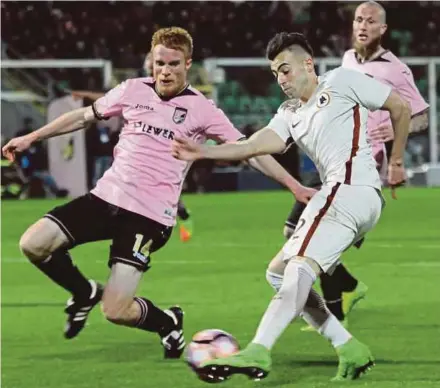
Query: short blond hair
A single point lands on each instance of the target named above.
(174, 38)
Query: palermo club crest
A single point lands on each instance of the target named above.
(179, 115)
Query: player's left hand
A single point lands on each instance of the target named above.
(185, 149)
(396, 177)
(304, 194)
(382, 133)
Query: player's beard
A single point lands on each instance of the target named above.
(366, 51)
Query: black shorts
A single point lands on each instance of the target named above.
(134, 237)
(313, 181)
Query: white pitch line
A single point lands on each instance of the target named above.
(426, 264)
(21, 260)
(17, 260)
(256, 245)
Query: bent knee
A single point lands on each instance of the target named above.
(42, 239)
(311, 263)
(288, 231)
(277, 265)
(32, 247)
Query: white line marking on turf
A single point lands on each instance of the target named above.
(426, 264)
(16, 260)
(21, 260)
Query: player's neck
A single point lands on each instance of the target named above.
(185, 85)
(311, 87)
(369, 55)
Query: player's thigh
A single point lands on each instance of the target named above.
(85, 219)
(322, 234)
(363, 204)
(41, 239)
(135, 239)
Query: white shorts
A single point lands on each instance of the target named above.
(335, 218)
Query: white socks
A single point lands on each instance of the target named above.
(287, 304)
(333, 330)
(274, 280)
(314, 312)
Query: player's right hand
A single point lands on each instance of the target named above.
(185, 149)
(18, 144)
(304, 194)
(396, 177)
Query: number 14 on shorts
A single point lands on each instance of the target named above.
(141, 252)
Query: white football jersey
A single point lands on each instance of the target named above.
(331, 127)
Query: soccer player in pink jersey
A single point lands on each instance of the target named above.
(184, 218)
(135, 203)
(369, 57)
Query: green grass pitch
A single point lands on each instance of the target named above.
(219, 279)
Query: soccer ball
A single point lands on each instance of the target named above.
(207, 345)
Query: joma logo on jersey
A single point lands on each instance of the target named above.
(165, 133)
(146, 107)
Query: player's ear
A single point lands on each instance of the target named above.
(309, 65)
(383, 28)
(188, 64)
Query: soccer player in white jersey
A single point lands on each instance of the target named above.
(328, 121)
(341, 290)
(135, 203)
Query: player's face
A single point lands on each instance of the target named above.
(367, 27)
(170, 69)
(292, 73)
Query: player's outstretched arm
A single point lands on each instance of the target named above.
(261, 142)
(400, 113)
(68, 122)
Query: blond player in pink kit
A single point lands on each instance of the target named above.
(183, 215)
(135, 203)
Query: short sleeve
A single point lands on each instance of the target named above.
(111, 103)
(407, 89)
(363, 89)
(218, 127)
(280, 125)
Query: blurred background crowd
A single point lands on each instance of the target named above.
(121, 32)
